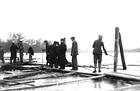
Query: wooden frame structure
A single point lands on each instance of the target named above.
(117, 45)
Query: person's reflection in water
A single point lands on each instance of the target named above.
(97, 83)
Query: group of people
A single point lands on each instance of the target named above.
(56, 54)
(19, 47)
(14, 48)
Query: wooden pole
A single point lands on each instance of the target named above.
(122, 52)
(116, 48)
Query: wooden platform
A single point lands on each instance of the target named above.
(85, 72)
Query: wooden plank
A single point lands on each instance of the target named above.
(12, 83)
(19, 83)
(37, 78)
(123, 76)
(85, 75)
(93, 74)
(116, 48)
(54, 84)
(8, 66)
(24, 75)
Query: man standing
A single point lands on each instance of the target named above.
(54, 54)
(1, 54)
(31, 53)
(62, 48)
(74, 53)
(13, 50)
(21, 50)
(97, 52)
(47, 52)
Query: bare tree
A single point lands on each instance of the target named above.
(30, 42)
(16, 37)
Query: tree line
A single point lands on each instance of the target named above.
(16, 37)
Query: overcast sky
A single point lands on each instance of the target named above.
(84, 19)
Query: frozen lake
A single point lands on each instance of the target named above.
(131, 58)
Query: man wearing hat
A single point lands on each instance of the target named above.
(74, 53)
(97, 52)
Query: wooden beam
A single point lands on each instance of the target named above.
(123, 76)
(37, 78)
(19, 83)
(23, 75)
(116, 48)
(122, 52)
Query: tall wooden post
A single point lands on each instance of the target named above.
(122, 52)
(116, 48)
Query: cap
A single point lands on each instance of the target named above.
(72, 37)
(100, 36)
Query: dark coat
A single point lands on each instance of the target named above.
(62, 48)
(13, 50)
(1, 53)
(31, 51)
(53, 54)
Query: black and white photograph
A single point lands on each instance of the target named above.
(69, 45)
